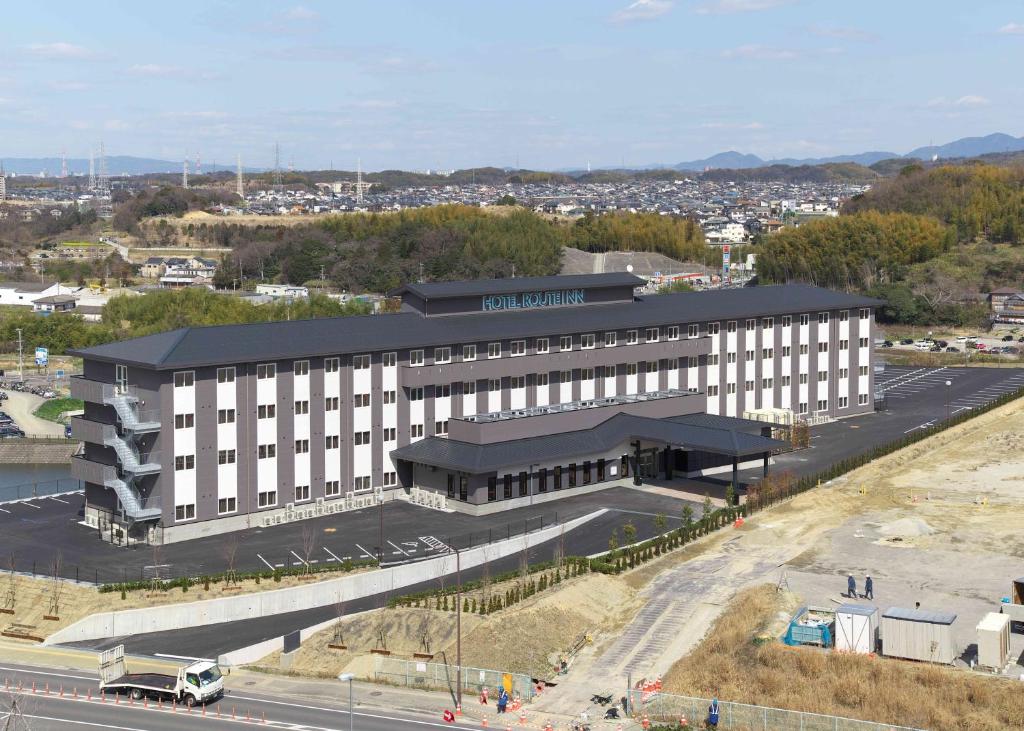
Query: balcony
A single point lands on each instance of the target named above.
(124, 400)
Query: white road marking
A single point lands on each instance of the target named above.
(365, 552)
(5, 511)
(305, 563)
(399, 549)
(332, 555)
(269, 565)
(341, 711)
(59, 500)
(31, 505)
(40, 672)
(83, 723)
(184, 657)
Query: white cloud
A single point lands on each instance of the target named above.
(155, 69)
(643, 10)
(968, 100)
(1012, 29)
(59, 50)
(301, 13)
(730, 7)
(732, 125)
(68, 85)
(760, 53)
(844, 33)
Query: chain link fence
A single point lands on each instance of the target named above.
(662, 707)
(439, 676)
(29, 490)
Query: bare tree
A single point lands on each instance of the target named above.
(559, 552)
(56, 584)
(308, 545)
(230, 551)
(11, 595)
(485, 579)
(156, 580)
(339, 629)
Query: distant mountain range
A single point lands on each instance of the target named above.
(964, 147)
(116, 165)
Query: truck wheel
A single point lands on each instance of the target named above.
(136, 694)
(190, 700)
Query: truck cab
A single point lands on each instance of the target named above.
(202, 680)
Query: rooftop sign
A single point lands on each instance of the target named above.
(533, 300)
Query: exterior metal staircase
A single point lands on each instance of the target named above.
(130, 462)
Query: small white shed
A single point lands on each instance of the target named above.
(994, 640)
(856, 628)
(918, 635)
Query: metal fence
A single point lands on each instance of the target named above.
(743, 717)
(439, 676)
(29, 490)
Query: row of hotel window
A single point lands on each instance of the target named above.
(268, 498)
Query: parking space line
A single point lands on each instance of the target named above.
(298, 557)
(399, 549)
(26, 502)
(333, 557)
(5, 511)
(269, 565)
(365, 552)
(59, 500)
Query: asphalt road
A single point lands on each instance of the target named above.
(53, 713)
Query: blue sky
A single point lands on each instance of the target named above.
(548, 84)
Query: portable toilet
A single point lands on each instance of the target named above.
(994, 640)
(915, 634)
(856, 628)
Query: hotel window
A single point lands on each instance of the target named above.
(587, 374)
(542, 345)
(822, 318)
(332, 488)
(803, 378)
(749, 356)
(712, 390)
(862, 370)
(542, 380)
(862, 399)
(863, 342)
(844, 402)
(787, 320)
(558, 478)
(802, 407)
(225, 416)
(748, 385)
(751, 324)
(587, 342)
(185, 512)
(524, 484)
(494, 384)
(572, 474)
(713, 359)
(731, 326)
(468, 352)
(267, 451)
(468, 388)
(865, 313)
(787, 380)
(331, 403)
(672, 333)
(389, 434)
(184, 462)
(631, 338)
(184, 379)
(362, 483)
(301, 368)
(566, 377)
(390, 479)
(331, 365)
(388, 397)
(441, 428)
(416, 431)
(301, 407)
(822, 376)
(389, 360)
(692, 361)
(844, 344)
(184, 421)
(844, 315)
(609, 339)
(507, 486)
(730, 388)
(301, 493)
(451, 486)
(443, 391)
(787, 351)
(415, 357)
(267, 411)
(730, 357)
(714, 328)
(225, 375)
(265, 371)
(805, 319)
(226, 456)
(844, 372)
(494, 350)
(362, 400)
(822, 404)
(517, 347)
(672, 364)
(652, 335)
(804, 348)
(822, 347)
(362, 438)
(692, 331)
(767, 383)
(301, 446)
(768, 323)
(332, 441)
(267, 499)
(652, 366)
(630, 369)
(227, 505)
(442, 355)
(362, 362)
(492, 489)
(767, 353)
(565, 342)
(517, 382)
(416, 394)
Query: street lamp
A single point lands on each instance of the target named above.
(351, 713)
(948, 384)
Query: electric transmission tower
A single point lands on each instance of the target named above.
(63, 164)
(3, 183)
(104, 177)
(92, 171)
(277, 167)
(359, 182)
(239, 184)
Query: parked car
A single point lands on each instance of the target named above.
(1007, 338)
(1012, 350)
(10, 430)
(907, 341)
(952, 349)
(942, 343)
(5, 418)
(961, 338)
(887, 344)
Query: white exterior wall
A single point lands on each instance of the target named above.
(823, 359)
(713, 372)
(518, 397)
(362, 455)
(786, 400)
(843, 384)
(673, 375)
(301, 430)
(543, 393)
(266, 433)
(864, 358)
(731, 370)
(184, 444)
(389, 414)
(610, 381)
(805, 367)
(227, 438)
(332, 426)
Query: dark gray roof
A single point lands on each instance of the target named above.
(865, 610)
(919, 615)
(467, 288)
(717, 421)
(477, 458)
(268, 341)
(27, 286)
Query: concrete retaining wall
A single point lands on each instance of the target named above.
(279, 601)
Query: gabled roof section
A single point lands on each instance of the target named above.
(149, 350)
(469, 288)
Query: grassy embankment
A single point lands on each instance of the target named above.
(52, 409)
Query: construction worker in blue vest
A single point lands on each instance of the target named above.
(713, 714)
(851, 587)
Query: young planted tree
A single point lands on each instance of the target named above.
(339, 629)
(708, 509)
(11, 593)
(308, 546)
(56, 585)
(156, 580)
(629, 533)
(660, 521)
(613, 541)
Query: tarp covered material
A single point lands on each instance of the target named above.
(919, 615)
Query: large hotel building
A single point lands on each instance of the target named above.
(477, 396)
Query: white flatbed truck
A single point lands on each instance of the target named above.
(200, 682)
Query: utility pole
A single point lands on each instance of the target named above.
(458, 629)
(380, 535)
(21, 360)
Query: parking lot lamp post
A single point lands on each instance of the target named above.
(948, 384)
(351, 713)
